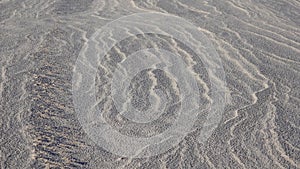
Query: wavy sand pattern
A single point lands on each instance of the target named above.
(258, 42)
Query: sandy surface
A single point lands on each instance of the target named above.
(44, 124)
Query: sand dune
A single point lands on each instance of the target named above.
(150, 84)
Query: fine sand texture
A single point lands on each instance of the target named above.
(150, 84)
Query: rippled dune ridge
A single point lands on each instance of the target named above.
(150, 84)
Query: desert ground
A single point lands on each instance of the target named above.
(220, 77)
